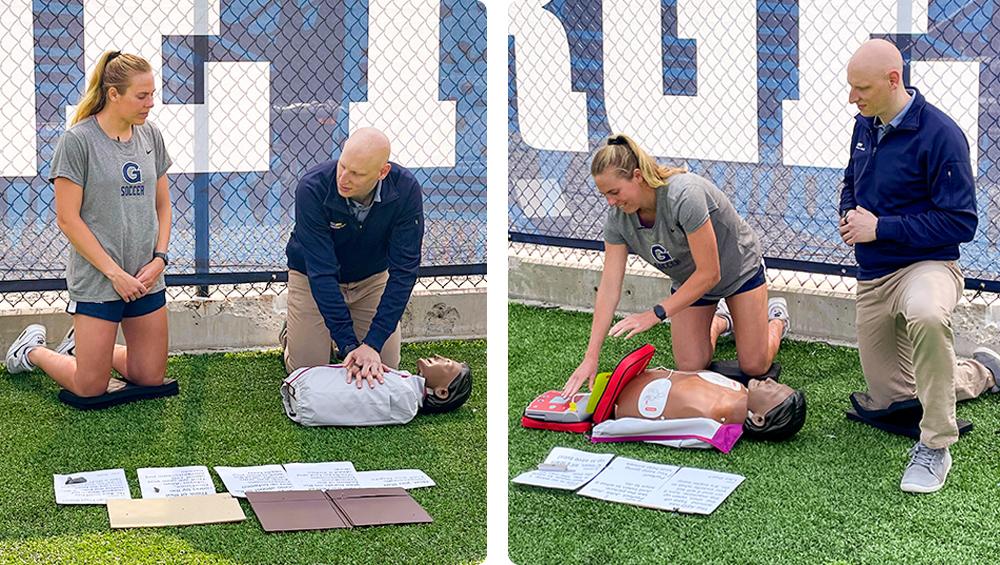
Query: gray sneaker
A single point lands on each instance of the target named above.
(777, 309)
(17, 356)
(722, 311)
(68, 344)
(991, 360)
(927, 469)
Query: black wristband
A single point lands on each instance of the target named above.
(161, 255)
(660, 312)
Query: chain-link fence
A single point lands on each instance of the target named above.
(250, 95)
(750, 94)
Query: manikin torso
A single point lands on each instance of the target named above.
(662, 394)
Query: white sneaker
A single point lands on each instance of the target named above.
(777, 309)
(17, 356)
(722, 311)
(68, 344)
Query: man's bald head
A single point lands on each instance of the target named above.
(877, 57)
(364, 160)
(368, 144)
(875, 74)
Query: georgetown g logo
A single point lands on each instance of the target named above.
(131, 173)
(660, 254)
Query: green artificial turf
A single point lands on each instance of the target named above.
(829, 495)
(229, 413)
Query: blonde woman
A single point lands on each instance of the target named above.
(113, 204)
(683, 225)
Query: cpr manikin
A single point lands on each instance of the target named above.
(321, 396)
(702, 409)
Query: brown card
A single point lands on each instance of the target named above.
(379, 506)
(176, 511)
(287, 511)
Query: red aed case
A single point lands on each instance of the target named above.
(633, 364)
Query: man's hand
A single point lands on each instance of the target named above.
(364, 363)
(858, 226)
(634, 324)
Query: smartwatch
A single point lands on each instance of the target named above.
(161, 255)
(660, 312)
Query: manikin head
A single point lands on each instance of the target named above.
(875, 75)
(364, 160)
(122, 85)
(448, 383)
(776, 411)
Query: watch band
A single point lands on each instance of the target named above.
(660, 312)
(161, 255)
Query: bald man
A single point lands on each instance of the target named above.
(907, 202)
(352, 260)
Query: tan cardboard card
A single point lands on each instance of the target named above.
(176, 511)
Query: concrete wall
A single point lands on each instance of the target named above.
(819, 315)
(246, 323)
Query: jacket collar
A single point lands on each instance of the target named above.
(911, 120)
(337, 203)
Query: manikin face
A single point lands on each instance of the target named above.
(624, 193)
(438, 372)
(135, 103)
(765, 396)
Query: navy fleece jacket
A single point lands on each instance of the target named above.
(330, 246)
(918, 181)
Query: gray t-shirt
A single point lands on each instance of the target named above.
(119, 200)
(682, 206)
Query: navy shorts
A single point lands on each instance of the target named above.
(756, 280)
(115, 310)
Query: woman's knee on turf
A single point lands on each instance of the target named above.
(90, 383)
(692, 361)
(754, 365)
(147, 374)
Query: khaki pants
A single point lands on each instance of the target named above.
(907, 350)
(307, 340)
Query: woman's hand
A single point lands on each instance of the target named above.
(585, 372)
(634, 324)
(150, 272)
(127, 286)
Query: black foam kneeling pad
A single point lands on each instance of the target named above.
(901, 418)
(730, 368)
(119, 392)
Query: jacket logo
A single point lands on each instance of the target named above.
(337, 225)
(860, 146)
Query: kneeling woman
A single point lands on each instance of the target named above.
(683, 225)
(113, 204)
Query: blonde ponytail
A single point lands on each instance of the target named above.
(624, 155)
(114, 68)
